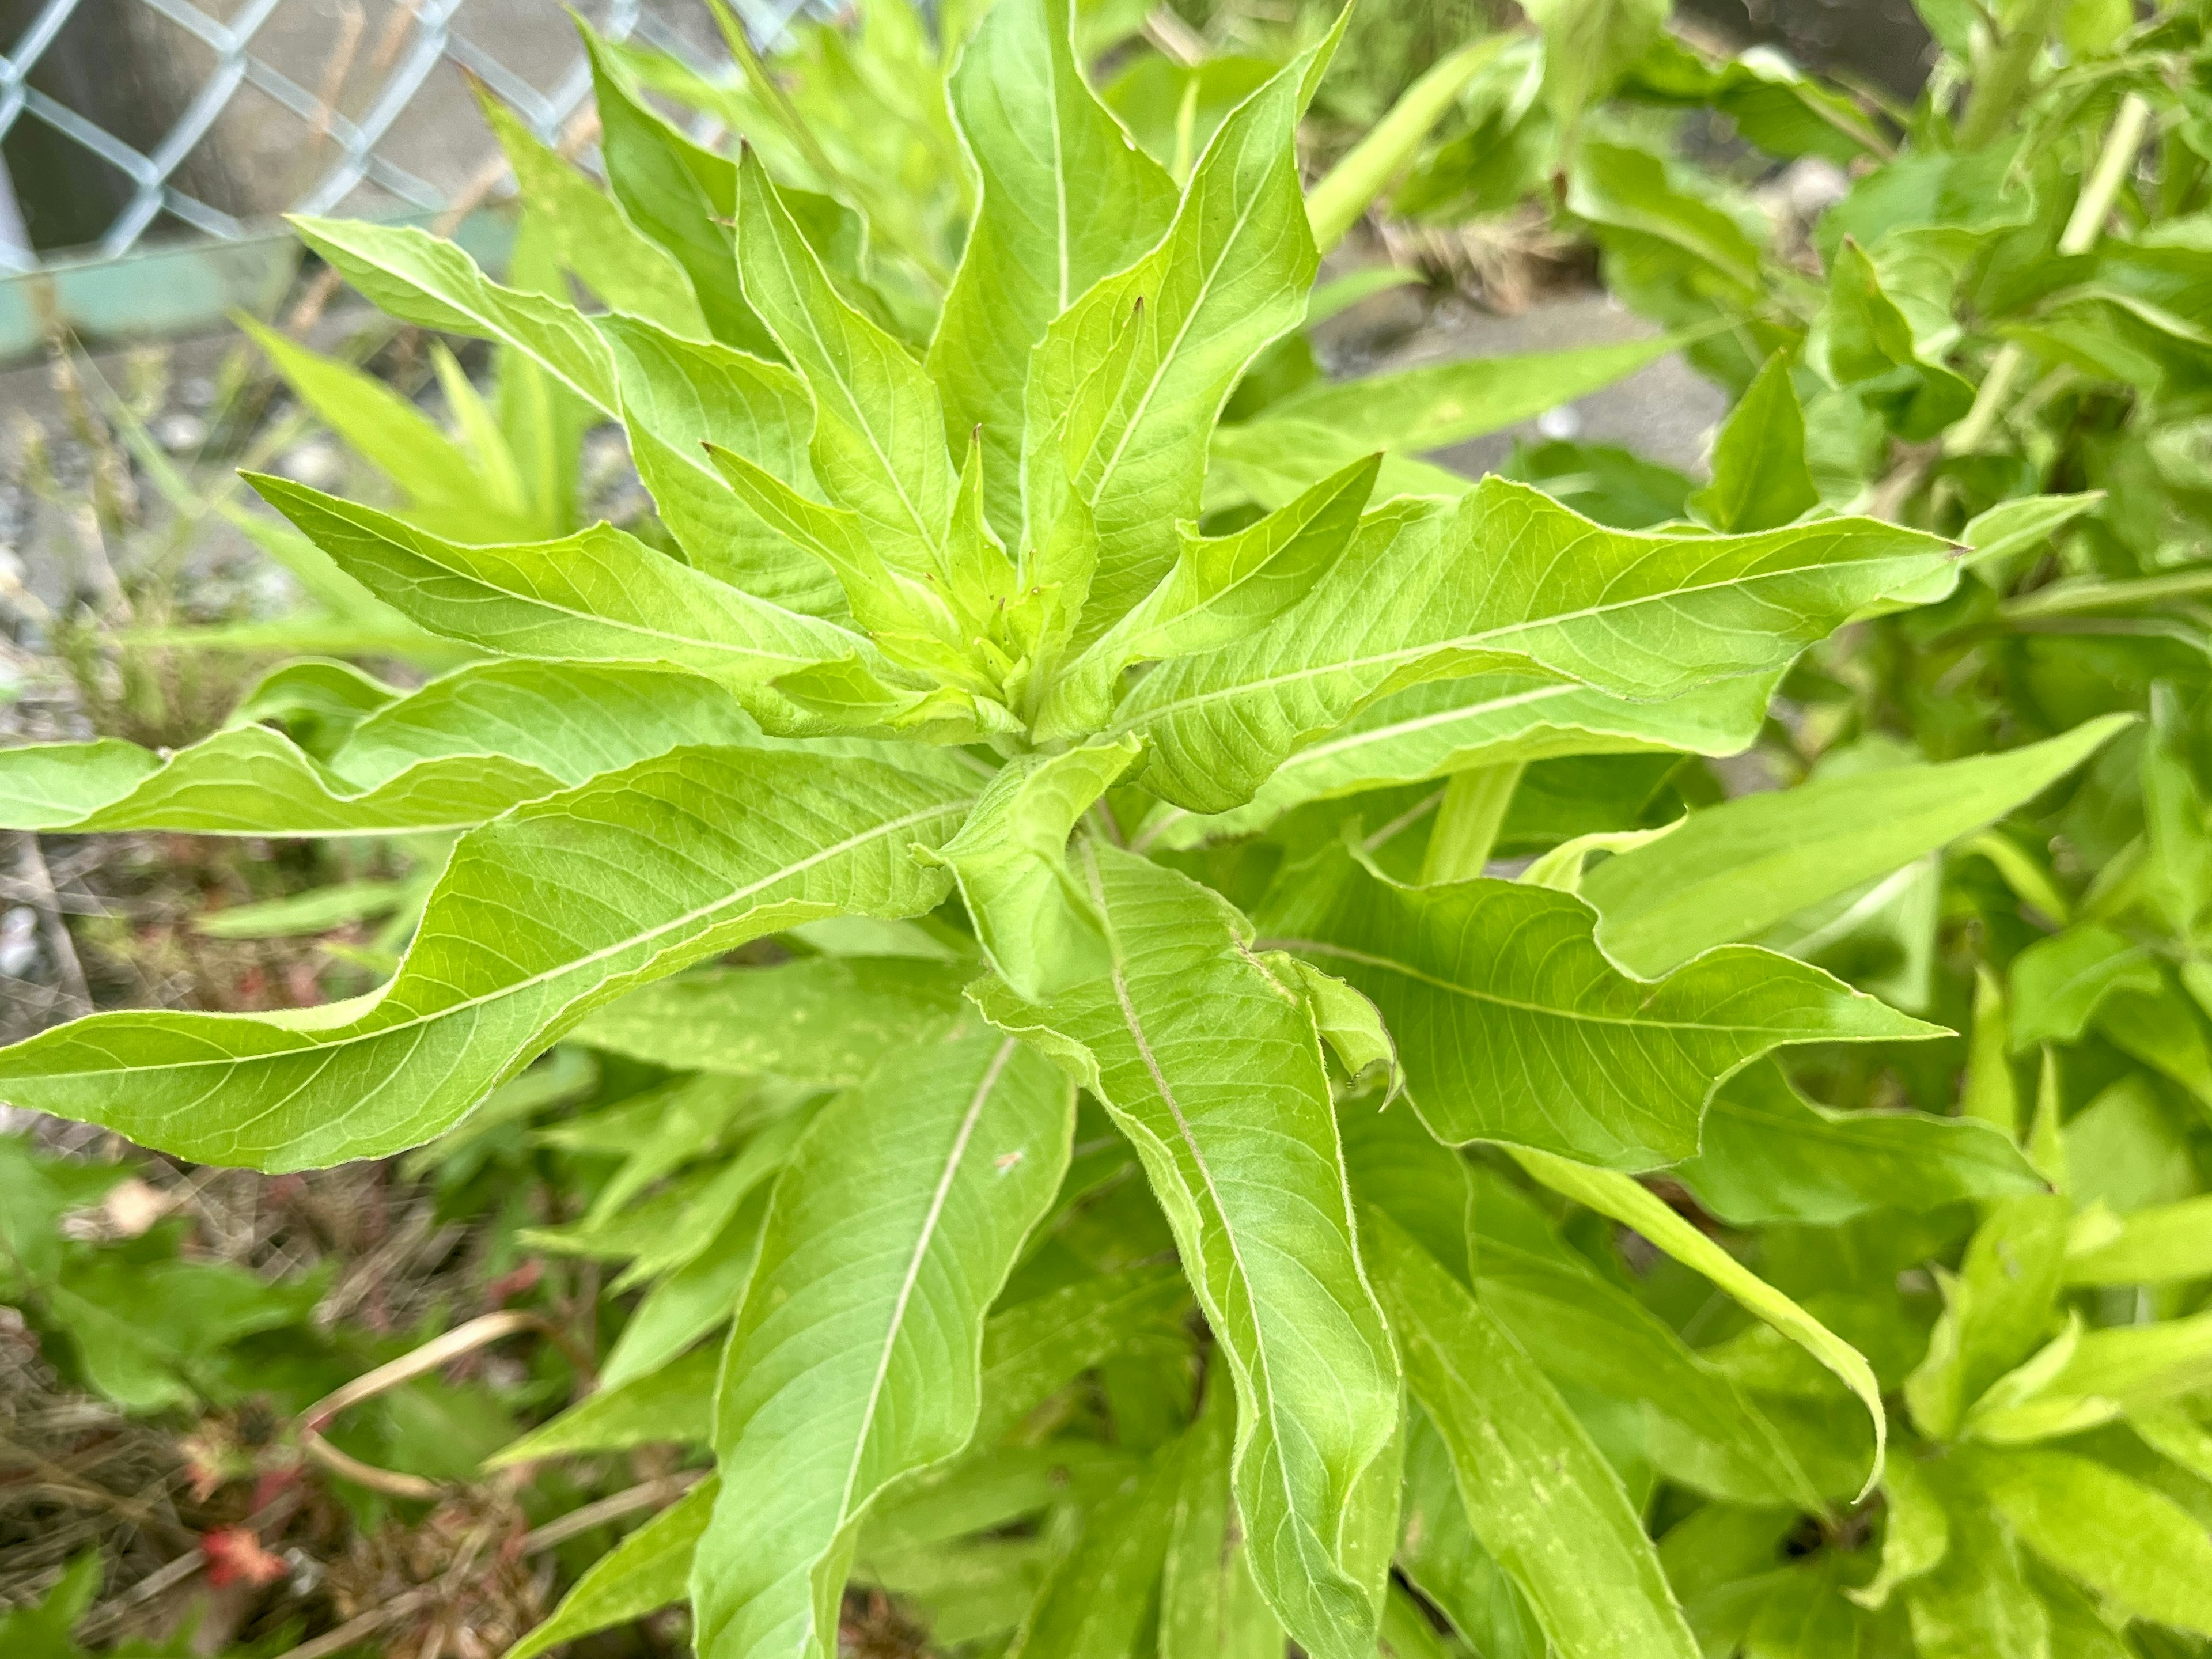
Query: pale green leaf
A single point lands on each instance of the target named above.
(1094, 1602)
(1588, 45)
(628, 271)
(2165, 1244)
(1538, 1494)
(1997, 1309)
(1633, 1205)
(1036, 1346)
(1976, 1602)
(2059, 983)
(1445, 726)
(598, 596)
(542, 916)
(1507, 579)
(1035, 922)
(1513, 1026)
(856, 1356)
(1735, 870)
(1915, 1534)
(878, 445)
(1230, 274)
(1067, 199)
(415, 276)
(1213, 1070)
(680, 395)
(827, 1020)
(2124, 1541)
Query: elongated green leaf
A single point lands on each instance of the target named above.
(2125, 1541)
(827, 1020)
(1759, 476)
(1439, 1554)
(1540, 1497)
(1513, 1026)
(541, 916)
(250, 781)
(2085, 1377)
(643, 1574)
(1035, 924)
(1445, 727)
(1585, 1332)
(1506, 580)
(460, 751)
(674, 1403)
(598, 596)
(382, 427)
(678, 396)
(682, 196)
(1230, 274)
(878, 442)
(1864, 340)
(415, 276)
(857, 1354)
(1733, 871)
(2164, 1244)
(1589, 45)
(628, 271)
(1067, 199)
(1210, 1608)
(1633, 1205)
(1915, 1536)
(1213, 1070)
(1318, 431)
(1769, 1155)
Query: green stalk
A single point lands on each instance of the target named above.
(2083, 227)
(1334, 205)
(1999, 89)
(1468, 819)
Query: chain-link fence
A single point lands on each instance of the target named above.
(139, 138)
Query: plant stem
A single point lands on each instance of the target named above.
(1995, 98)
(2083, 226)
(1335, 204)
(2102, 184)
(1468, 821)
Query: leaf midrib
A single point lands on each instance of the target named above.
(1321, 947)
(890, 827)
(1458, 643)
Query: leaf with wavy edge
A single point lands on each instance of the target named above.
(461, 751)
(1507, 579)
(1445, 727)
(1213, 1070)
(857, 1354)
(598, 596)
(541, 916)
(1066, 199)
(1538, 1494)
(1512, 1026)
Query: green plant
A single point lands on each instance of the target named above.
(1033, 813)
